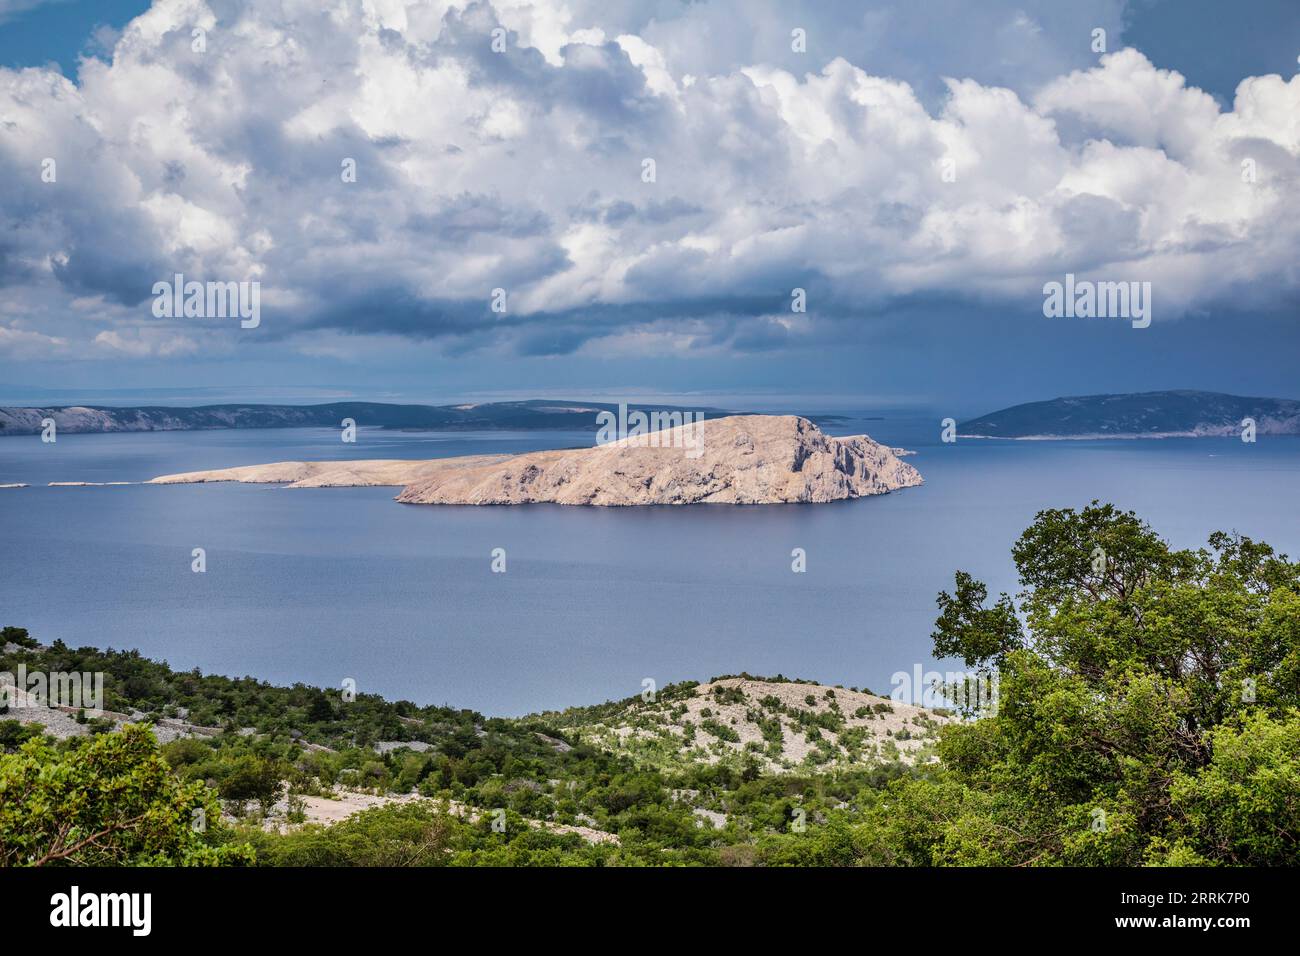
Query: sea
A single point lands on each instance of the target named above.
(322, 586)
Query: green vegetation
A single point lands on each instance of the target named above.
(106, 800)
(1148, 714)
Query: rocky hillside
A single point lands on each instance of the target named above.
(740, 459)
(782, 725)
(722, 772)
(1176, 414)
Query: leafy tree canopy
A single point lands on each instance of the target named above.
(1148, 708)
(107, 800)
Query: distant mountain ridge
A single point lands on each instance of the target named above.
(1169, 414)
(522, 415)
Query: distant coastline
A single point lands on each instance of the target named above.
(1169, 414)
(534, 414)
(1099, 436)
(530, 415)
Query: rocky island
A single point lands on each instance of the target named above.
(739, 459)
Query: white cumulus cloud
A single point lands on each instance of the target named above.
(523, 170)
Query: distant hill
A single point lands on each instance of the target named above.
(795, 725)
(691, 775)
(780, 724)
(1174, 414)
(532, 414)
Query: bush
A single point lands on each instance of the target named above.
(412, 834)
(16, 635)
(110, 800)
(721, 731)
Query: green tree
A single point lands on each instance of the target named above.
(1148, 710)
(108, 800)
(16, 635)
(14, 734)
(249, 777)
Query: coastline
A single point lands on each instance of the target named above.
(1122, 436)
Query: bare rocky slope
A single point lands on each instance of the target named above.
(740, 459)
(780, 724)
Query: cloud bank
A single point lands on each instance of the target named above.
(217, 140)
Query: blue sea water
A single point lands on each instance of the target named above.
(325, 584)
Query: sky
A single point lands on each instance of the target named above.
(647, 184)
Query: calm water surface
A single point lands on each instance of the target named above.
(319, 585)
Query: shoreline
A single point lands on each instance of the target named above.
(1125, 436)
